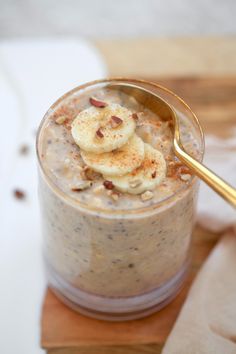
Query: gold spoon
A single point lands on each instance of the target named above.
(166, 112)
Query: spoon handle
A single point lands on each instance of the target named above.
(215, 182)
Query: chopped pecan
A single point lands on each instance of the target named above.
(115, 196)
(98, 189)
(115, 121)
(88, 174)
(176, 169)
(19, 194)
(96, 103)
(108, 184)
(99, 133)
(184, 170)
(185, 177)
(60, 120)
(135, 183)
(154, 174)
(81, 186)
(147, 195)
(135, 116)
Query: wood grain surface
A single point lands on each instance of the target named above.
(170, 56)
(65, 332)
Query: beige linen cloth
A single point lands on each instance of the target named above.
(207, 321)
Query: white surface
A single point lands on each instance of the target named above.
(32, 76)
(213, 212)
(123, 18)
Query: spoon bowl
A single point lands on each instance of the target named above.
(167, 113)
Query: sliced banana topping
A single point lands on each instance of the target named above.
(117, 162)
(103, 130)
(144, 178)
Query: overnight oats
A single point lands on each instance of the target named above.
(117, 205)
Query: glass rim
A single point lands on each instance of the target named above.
(108, 212)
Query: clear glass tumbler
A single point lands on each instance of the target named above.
(123, 264)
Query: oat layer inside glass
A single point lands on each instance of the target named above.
(117, 205)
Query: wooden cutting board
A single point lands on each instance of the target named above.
(65, 332)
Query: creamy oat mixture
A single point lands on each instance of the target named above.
(122, 254)
(62, 160)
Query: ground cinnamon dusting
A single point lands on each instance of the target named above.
(146, 164)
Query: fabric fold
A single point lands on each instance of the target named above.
(207, 321)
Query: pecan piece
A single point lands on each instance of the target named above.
(135, 116)
(88, 174)
(99, 133)
(98, 189)
(115, 196)
(154, 174)
(96, 103)
(115, 121)
(82, 186)
(60, 120)
(108, 184)
(19, 194)
(135, 183)
(147, 195)
(185, 177)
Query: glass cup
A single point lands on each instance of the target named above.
(122, 264)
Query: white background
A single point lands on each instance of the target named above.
(33, 74)
(116, 18)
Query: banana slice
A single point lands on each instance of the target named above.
(146, 177)
(105, 129)
(117, 162)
